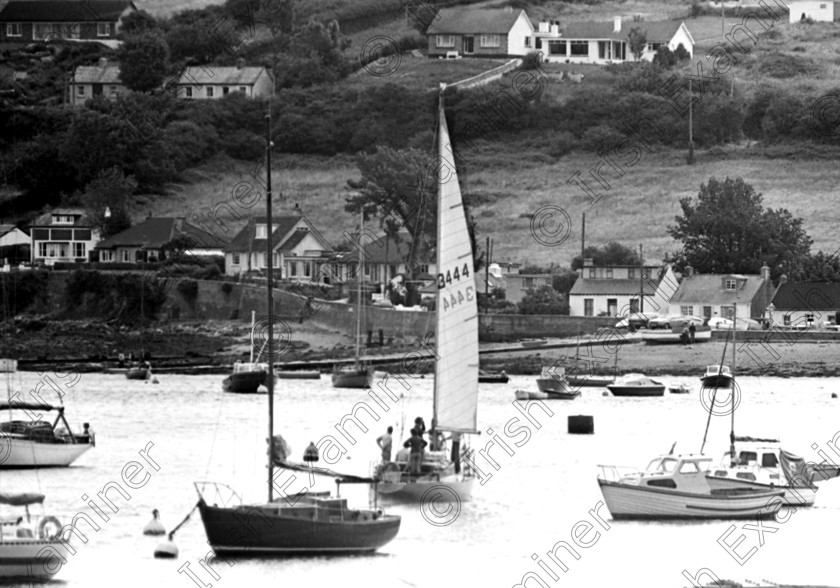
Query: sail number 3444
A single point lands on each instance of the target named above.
(445, 280)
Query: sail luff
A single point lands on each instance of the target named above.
(456, 333)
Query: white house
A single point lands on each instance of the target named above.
(11, 235)
(209, 82)
(96, 80)
(806, 304)
(619, 290)
(605, 42)
(63, 235)
(489, 32)
(815, 10)
(715, 295)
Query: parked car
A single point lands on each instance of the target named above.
(635, 321)
(673, 320)
(720, 323)
(743, 324)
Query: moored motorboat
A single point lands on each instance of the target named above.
(547, 395)
(30, 550)
(298, 375)
(491, 378)
(246, 378)
(553, 379)
(674, 335)
(352, 377)
(717, 376)
(637, 386)
(676, 487)
(141, 371)
(679, 389)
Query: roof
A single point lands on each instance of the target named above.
(8, 229)
(95, 74)
(292, 242)
(245, 240)
(45, 220)
(807, 296)
(388, 251)
(656, 32)
(231, 76)
(709, 289)
(57, 10)
(153, 233)
(618, 287)
(474, 21)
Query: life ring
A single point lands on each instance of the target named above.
(42, 528)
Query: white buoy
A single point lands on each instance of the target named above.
(154, 527)
(167, 549)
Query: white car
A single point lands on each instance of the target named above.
(725, 324)
(672, 320)
(720, 323)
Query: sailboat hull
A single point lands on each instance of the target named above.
(244, 382)
(25, 453)
(416, 491)
(25, 560)
(578, 381)
(138, 374)
(236, 531)
(352, 378)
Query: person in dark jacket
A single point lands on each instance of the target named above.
(415, 458)
(691, 330)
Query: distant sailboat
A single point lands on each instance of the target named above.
(247, 377)
(357, 376)
(455, 404)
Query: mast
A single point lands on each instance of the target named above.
(270, 275)
(359, 287)
(732, 392)
(253, 323)
(438, 248)
(487, 280)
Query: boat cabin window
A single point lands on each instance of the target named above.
(666, 483)
(768, 460)
(745, 476)
(689, 467)
(747, 457)
(666, 465)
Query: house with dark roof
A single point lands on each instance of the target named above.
(385, 259)
(619, 290)
(145, 241)
(63, 21)
(212, 81)
(607, 42)
(96, 80)
(718, 295)
(299, 251)
(497, 32)
(63, 235)
(805, 304)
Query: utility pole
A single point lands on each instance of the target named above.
(487, 278)
(690, 159)
(583, 239)
(641, 280)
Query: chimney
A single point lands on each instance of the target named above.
(616, 24)
(765, 272)
(782, 279)
(689, 271)
(240, 63)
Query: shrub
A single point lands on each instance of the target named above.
(531, 61)
(227, 287)
(563, 144)
(188, 289)
(778, 65)
(601, 137)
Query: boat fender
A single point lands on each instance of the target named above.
(43, 533)
(365, 516)
(378, 514)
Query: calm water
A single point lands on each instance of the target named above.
(532, 502)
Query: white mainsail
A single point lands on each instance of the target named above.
(456, 336)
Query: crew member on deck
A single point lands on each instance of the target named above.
(415, 458)
(385, 442)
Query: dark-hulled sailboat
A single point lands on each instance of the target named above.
(315, 523)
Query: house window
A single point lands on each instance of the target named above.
(307, 269)
(786, 320)
(490, 41)
(261, 232)
(79, 250)
(527, 41)
(103, 29)
(276, 258)
(528, 283)
(293, 269)
(687, 310)
(707, 312)
(634, 305)
(588, 307)
(235, 259)
(557, 47)
(209, 92)
(13, 29)
(424, 269)
(42, 249)
(579, 48)
(730, 284)
(189, 93)
(592, 273)
(126, 255)
(727, 312)
(537, 43)
(612, 306)
(261, 260)
(80, 90)
(654, 46)
(609, 273)
(62, 219)
(225, 90)
(445, 41)
(243, 89)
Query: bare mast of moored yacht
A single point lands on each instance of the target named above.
(270, 275)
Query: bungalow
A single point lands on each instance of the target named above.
(618, 290)
(63, 235)
(498, 32)
(805, 303)
(517, 285)
(815, 10)
(11, 235)
(385, 259)
(24, 21)
(299, 250)
(144, 242)
(209, 82)
(604, 42)
(715, 295)
(96, 80)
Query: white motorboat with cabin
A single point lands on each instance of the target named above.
(717, 376)
(29, 546)
(676, 487)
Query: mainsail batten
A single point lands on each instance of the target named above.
(456, 338)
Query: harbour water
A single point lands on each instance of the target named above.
(529, 501)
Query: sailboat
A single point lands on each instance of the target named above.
(578, 380)
(456, 348)
(247, 377)
(357, 376)
(315, 523)
(776, 469)
(37, 443)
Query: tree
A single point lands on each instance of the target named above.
(637, 41)
(324, 41)
(613, 253)
(728, 230)
(137, 22)
(106, 198)
(543, 300)
(563, 281)
(190, 42)
(144, 61)
(664, 57)
(819, 267)
(681, 53)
